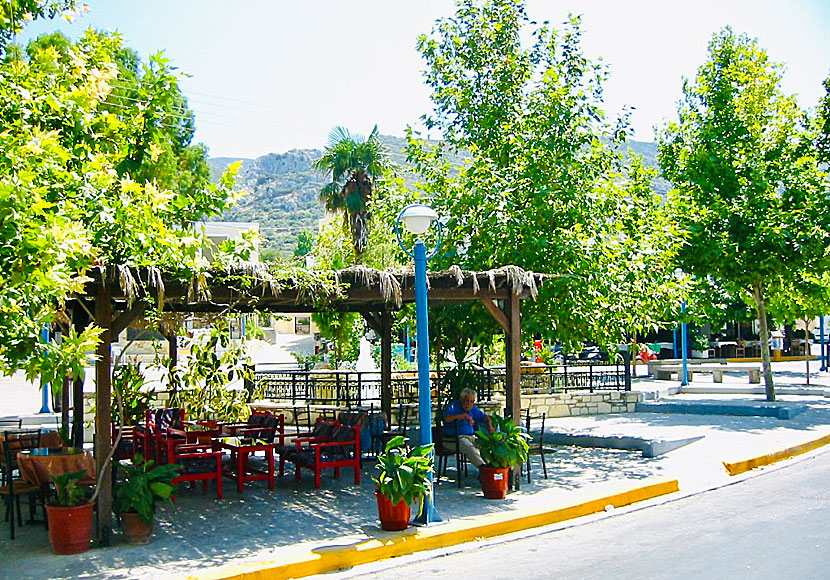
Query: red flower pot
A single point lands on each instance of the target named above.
(70, 528)
(494, 481)
(136, 531)
(393, 518)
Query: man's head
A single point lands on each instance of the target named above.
(467, 398)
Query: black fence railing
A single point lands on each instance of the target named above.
(354, 388)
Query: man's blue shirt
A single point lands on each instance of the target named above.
(462, 425)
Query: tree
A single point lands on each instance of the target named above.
(823, 140)
(355, 164)
(69, 203)
(546, 184)
(14, 14)
(749, 196)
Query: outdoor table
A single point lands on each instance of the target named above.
(200, 433)
(240, 448)
(47, 438)
(38, 465)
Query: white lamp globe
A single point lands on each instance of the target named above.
(417, 218)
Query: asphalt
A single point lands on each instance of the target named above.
(295, 530)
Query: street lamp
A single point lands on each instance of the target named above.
(418, 218)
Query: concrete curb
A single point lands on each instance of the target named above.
(739, 467)
(294, 562)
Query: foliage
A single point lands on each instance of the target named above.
(354, 162)
(201, 383)
(823, 120)
(143, 487)
(546, 185)
(14, 14)
(749, 196)
(128, 382)
(96, 171)
(344, 329)
(68, 492)
(506, 447)
(404, 472)
(305, 243)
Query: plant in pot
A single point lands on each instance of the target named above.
(135, 498)
(403, 479)
(70, 515)
(502, 450)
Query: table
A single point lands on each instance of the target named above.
(240, 448)
(38, 465)
(47, 438)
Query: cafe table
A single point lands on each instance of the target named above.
(38, 465)
(240, 469)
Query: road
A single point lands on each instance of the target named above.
(775, 525)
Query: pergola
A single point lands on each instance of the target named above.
(118, 296)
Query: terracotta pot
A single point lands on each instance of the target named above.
(70, 528)
(494, 481)
(135, 529)
(393, 518)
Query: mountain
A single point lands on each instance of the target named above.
(283, 189)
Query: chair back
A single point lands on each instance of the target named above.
(302, 419)
(535, 443)
(10, 422)
(15, 441)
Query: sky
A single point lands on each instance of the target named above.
(267, 76)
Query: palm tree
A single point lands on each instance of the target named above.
(354, 163)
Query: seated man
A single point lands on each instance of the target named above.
(460, 419)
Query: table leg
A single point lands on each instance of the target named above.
(241, 456)
(270, 452)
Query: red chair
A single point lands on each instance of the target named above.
(334, 446)
(199, 463)
(156, 422)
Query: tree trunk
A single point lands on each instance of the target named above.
(760, 306)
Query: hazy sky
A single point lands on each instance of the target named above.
(272, 75)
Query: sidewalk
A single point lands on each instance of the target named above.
(296, 525)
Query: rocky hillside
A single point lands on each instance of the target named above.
(282, 190)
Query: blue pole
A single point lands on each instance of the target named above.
(821, 343)
(674, 342)
(408, 346)
(44, 387)
(428, 514)
(684, 341)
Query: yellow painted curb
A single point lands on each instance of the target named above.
(739, 467)
(347, 552)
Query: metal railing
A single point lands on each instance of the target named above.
(355, 389)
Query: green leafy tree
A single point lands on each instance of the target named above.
(749, 197)
(545, 185)
(15, 14)
(355, 163)
(305, 244)
(69, 201)
(823, 140)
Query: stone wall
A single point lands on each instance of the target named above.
(578, 403)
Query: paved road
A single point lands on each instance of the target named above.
(775, 525)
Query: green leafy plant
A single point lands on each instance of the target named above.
(145, 485)
(128, 381)
(506, 446)
(404, 472)
(66, 485)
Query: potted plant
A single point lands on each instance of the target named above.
(403, 479)
(135, 498)
(502, 450)
(70, 515)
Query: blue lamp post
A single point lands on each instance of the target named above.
(418, 218)
(684, 342)
(821, 343)
(44, 386)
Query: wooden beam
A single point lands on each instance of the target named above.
(514, 378)
(496, 313)
(103, 410)
(373, 320)
(80, 320)
(125, 318)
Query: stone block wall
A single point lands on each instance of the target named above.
(577, 403)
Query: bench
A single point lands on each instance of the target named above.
(665, 372)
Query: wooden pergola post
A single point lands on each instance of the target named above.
(513, 345)
(80, 320)
(103, 411)
(386, 365)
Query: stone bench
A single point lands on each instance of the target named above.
(665, 372)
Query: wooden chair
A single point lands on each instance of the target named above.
(379, 440)
(446, 446)
(331, 446)
(13, 487)
(199, 462)
(536, 445)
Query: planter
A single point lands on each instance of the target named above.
(494, 481)
(135, 529)
(393, 518)
(70, 528)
